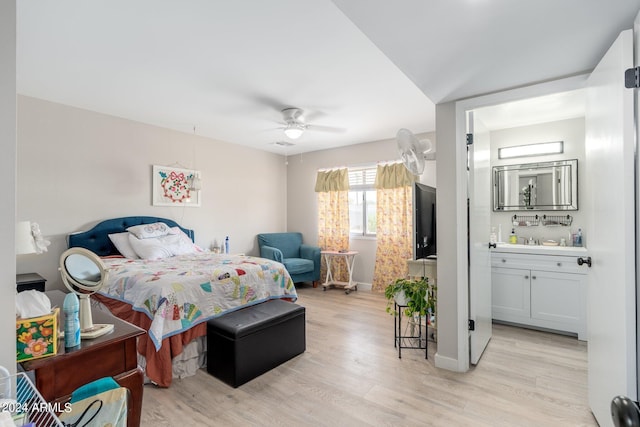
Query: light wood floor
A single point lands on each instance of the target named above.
(350, 375)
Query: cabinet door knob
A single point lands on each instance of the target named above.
(504, 260)
(526, 277)
(533, 277)
(559, 264)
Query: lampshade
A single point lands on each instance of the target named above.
(25, 243)
(294, 130)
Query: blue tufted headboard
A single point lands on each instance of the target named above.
(97, 238)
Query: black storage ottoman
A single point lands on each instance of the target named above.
(247, 343)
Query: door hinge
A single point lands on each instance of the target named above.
(472, 325)
(469, 139)
(632, 78)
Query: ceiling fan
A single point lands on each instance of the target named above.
(294, 125)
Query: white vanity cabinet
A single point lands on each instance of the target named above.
(539, 289)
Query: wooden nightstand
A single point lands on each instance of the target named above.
(29, 281)
(112, 355)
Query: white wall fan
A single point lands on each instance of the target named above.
(295, 126)
(414, 151)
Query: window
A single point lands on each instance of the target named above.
(362, 201)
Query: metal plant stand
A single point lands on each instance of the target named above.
(413, 340)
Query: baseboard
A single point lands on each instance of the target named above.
(447, 363)
(364, 286)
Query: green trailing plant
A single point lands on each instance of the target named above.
(415, 291)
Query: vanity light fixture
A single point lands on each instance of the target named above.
(541, 149)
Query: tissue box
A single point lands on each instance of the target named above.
(37, 336)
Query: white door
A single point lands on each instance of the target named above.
(609, 235)
(479, 230)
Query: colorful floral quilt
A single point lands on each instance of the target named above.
(182, 291)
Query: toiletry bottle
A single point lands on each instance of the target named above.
(578, 241)
(512, 237)
(492, 237)
(71, 308)
(226, 245)
(499, 233)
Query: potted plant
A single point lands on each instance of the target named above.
(415, 295)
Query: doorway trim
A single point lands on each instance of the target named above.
(461, 107)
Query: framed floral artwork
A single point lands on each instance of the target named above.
(171, 186)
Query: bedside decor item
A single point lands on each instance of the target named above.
(84, 273)
(174, 186)
(71, 308)
(29, 239)
(37, 337)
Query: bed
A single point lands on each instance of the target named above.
(172, 297)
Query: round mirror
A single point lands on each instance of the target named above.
(83, 269)
(84, 273)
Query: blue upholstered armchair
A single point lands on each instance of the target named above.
(302, 261)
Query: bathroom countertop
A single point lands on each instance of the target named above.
(539, 249)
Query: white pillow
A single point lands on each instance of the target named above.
(163, 246)
(182, 244)
(147, 231)
(121, 242)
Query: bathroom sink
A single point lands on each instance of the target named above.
(540, 249)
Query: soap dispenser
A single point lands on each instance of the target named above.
(512, 237)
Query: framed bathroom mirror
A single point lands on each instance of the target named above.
(536, 186)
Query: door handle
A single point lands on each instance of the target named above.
(492, 245)
(586, 260)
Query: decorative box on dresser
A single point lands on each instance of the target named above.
(112, 355)
(540, 287)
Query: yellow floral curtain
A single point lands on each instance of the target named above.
(333, 218)
(394, 223)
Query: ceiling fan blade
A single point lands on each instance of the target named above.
(321, 128)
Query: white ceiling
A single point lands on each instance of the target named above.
(228, 68)
(542, 109)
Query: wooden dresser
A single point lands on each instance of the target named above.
(112, 355)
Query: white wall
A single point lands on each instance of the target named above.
(572, 133)
(77, 167)
(302, 200)
(8, 179)
(451, 211)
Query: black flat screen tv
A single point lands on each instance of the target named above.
(424, 222)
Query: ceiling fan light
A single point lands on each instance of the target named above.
(293, 131)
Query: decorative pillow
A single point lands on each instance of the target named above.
(147, 231)
(163, 246)
(121, 242)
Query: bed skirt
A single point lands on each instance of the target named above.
(158, 365)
